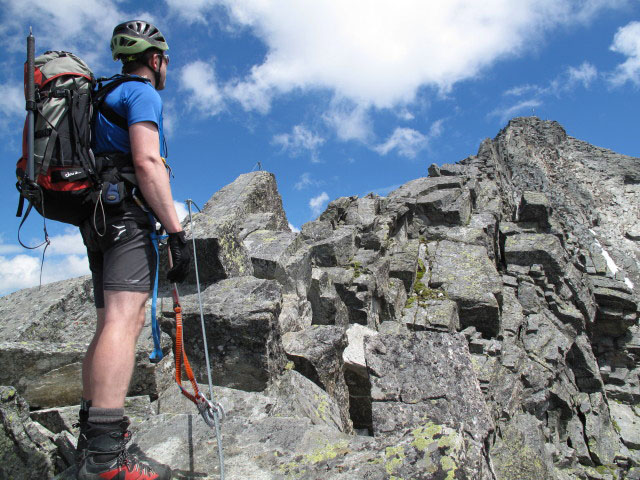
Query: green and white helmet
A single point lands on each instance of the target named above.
(134, 37)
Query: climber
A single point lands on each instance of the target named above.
(128, 137)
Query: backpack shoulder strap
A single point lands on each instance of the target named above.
(102, 92)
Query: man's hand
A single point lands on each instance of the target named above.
(181, 257)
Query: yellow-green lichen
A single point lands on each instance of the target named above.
(323, 406)
(289, 366)
(327, 452)
(395, 457)
(423, 436)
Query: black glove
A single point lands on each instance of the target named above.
(181, 257)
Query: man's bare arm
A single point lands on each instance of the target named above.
(152, 175)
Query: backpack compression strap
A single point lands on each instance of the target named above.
(102, 92)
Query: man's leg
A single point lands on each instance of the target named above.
(111, 356)
(88, 358)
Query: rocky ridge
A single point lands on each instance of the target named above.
(478, 323)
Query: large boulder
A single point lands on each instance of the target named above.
(249, 203)
(416, 377)
(49, 374)
(317, 353)
(469, 278)
(243, 334)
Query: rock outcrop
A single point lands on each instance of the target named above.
(477, 323)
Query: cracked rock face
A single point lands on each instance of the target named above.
(480, 322)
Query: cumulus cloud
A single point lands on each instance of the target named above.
(62, 25)
(409, 142)
(317, 203)
(379, 53)
(198, 79)
(627, 42)
(65, 258)
(300, 140)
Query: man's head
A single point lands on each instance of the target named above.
(141, 46)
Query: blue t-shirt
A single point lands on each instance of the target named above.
(136, 102)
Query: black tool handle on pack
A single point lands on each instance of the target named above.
(31, 103)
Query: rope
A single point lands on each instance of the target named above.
(217, 408)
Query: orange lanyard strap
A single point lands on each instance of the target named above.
(181, 357)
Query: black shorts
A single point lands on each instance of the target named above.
(123, 258)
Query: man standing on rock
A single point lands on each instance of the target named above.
(128, 139)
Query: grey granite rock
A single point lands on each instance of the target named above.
(220, 227)
(416, 377)
(441, 315)
(535, 207)
(327, 306)
(243, 333)
(25, 451)
(469, 278)
(626, 420)
(317, 354)
(280, 256)
(541, 249)
(50, 374)
(336, 249)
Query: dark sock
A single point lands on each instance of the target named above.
(105, 415)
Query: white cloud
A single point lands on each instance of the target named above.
(627, 42)
(293, 228)
(523, 90)
(567, 81)
(409, 142)
(350, 121)
(305, 181)
(317, 203)
(23, 271)
(192, 11)
(300, 140)
(199, 80)
(65, 258)
(11, 102)
(69, 243)
(181, 210)
(506, 113)
(379, 53)
(584, 75)
(63, 25)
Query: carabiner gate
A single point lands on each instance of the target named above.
(209, 410)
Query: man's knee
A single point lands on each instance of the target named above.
(125, 308)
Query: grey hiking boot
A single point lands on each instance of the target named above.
(107, 457)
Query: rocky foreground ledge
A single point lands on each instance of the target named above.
(478, 323)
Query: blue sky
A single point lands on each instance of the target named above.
(334, 97)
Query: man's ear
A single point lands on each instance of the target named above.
(153, 62)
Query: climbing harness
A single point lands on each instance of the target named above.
(212, 412)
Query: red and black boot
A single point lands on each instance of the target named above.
(106, 456)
